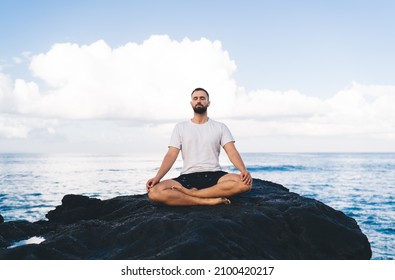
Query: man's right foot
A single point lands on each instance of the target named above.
(218, 200)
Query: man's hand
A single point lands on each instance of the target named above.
(246, 177)
(151, 183)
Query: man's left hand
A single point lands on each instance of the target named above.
(246, 177)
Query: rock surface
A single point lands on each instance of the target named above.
(267, 223)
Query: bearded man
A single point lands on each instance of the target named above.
(201, 182)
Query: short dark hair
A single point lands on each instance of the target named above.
(202, 89)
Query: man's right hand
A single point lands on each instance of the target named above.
(151, 183)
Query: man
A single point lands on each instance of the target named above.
(201, 181)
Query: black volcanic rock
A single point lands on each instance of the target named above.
(267, 223)
(75, 208)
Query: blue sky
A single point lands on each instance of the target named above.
(276, 44)
(321, 53)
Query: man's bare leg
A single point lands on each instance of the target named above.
(164, 192)
(228, 185)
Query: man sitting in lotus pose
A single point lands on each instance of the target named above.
(202, 182)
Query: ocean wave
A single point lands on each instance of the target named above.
(390, 231)
(272, 168)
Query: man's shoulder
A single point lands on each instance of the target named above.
(181, 126)
(183, 123)
(217, 123)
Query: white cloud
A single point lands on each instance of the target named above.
(12, 128)
(268, 104)
(17, 127)
(362, 109)
(359, 109)
(151, 83)
(145, 82)
(13, 123)
(5, 85)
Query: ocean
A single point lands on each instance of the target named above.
(362, 185)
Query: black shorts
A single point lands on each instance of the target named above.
(200, 180)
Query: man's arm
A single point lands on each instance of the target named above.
(237, 161)
(167, 163)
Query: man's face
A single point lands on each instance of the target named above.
(200, 102)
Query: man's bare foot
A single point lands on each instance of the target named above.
(225, 200)
(218, 200)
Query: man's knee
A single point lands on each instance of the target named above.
(153, 195)
(244, 187)
(159, 193)
(236, 178)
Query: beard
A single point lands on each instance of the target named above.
(200, 110)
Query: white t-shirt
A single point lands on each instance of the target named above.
(200, 144)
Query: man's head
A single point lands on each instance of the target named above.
(200, 100)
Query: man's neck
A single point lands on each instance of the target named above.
(200, 119)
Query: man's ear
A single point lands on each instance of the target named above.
(208, 104)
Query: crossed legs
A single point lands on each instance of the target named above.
(171, 192)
